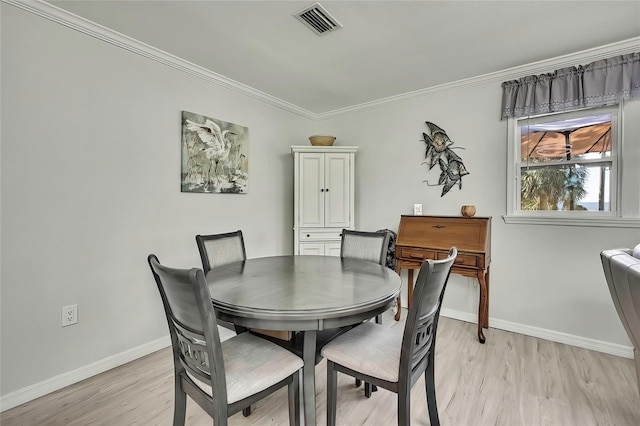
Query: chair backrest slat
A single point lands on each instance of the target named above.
(423, 342)
(370, 246)
(193, 353)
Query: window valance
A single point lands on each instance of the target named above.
(599, 83)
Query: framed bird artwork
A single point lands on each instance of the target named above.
(214, 155)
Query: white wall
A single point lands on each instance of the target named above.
(90, 157)
(545, 280)
(90, 186)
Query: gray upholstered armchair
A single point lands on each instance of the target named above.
(622, 270)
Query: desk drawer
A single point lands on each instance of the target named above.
(418, 254)
(411, 253)
(467, 260)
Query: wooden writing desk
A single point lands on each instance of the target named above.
(430, 237)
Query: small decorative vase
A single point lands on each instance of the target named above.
(468, 211)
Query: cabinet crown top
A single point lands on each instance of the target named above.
(311, 148)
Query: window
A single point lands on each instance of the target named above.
(566, 161)
(566, 168)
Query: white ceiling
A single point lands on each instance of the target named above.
(386, 48)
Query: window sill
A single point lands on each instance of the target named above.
(598, 221)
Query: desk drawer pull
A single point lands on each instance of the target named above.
(439, 226)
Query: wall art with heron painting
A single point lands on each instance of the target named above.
(214, 155)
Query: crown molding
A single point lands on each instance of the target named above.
(85, 26)
(75, 22)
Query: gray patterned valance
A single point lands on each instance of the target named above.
(602, 82)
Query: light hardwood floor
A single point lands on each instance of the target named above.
(512, 380)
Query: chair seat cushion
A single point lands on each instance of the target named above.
(252, 364)
(369, 349)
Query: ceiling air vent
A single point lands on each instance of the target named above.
(318, 19)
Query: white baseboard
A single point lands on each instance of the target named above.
(44, 387)
(554, 336)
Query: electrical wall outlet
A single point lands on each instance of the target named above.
(69, 315)
(417, 209)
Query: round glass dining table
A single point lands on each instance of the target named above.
(305, 294)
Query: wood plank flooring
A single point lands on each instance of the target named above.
(512, 380)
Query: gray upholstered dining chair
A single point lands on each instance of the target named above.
(221, 249)
(369, 246)
(390, 359)
(622, 272)
(218, 250)
(222, 378)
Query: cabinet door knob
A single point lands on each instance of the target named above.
(308, 235)
(326, 190)
(321, 189)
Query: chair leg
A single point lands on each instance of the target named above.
(294, 400)
(332, 389)
(246, 411)
(378, 319)
(358, 383)
(369, 389)
(636, 357)
(429, 381)
(404, 406)
(179, 406)
(220, 419)
(399, 309)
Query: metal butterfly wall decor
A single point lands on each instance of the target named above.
(439, 151)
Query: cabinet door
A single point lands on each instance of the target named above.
(312, 249)
(310, 185)
(337, 190)
(332, 249)
(320, 249)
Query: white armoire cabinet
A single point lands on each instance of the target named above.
(323, 197)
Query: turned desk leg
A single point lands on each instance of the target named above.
(409, 286)
(483, 303)
(486, 306)
(409, 293)
(483, 313)
(399, 299)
